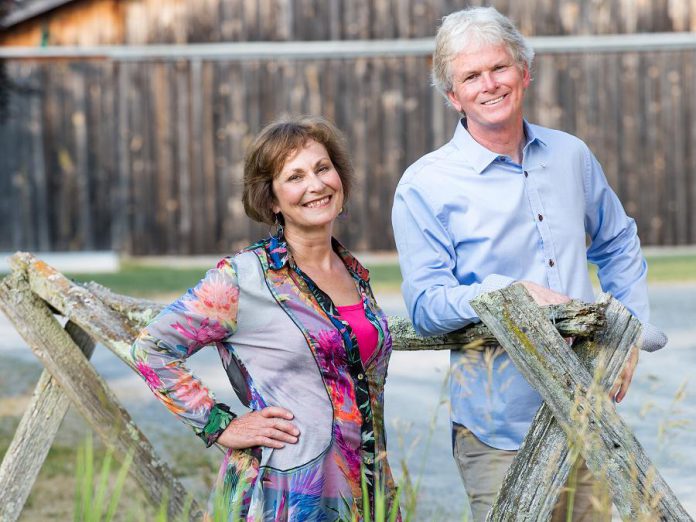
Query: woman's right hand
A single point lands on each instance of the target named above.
(270, 427)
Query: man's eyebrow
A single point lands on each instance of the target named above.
(469, 72)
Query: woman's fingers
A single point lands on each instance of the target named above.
(276, 411)
(279, 435)
(266, 427)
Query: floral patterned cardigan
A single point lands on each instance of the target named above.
(282, 343)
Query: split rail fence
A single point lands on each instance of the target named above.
(577, 418)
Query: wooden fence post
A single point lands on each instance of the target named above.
(34, 435)
(89, 393)
(580, 406)
(545, 459)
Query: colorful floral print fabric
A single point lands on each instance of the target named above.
(282, 343)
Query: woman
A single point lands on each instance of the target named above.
(301, 337)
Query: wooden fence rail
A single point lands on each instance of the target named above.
(577, 417)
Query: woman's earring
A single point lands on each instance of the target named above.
(278, 233)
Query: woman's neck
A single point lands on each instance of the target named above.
(311, 249)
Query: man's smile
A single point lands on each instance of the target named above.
(494, 100)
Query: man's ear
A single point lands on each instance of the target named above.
(526, 77)
(454, 101)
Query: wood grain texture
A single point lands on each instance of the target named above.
(89, 393)
(34, 435)
(545, 458)
(579, 404)
(157, 168)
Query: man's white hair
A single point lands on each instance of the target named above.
(473, 27)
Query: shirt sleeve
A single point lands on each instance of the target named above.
(614, 244)
(206, 314)
(436, 301)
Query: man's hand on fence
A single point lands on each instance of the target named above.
(269, 427)
(544, 296)
(618, 391)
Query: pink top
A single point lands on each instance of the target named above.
(365, 332)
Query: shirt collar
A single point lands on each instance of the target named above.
(478, 156)
(278, 256)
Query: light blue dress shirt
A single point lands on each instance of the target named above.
(467, 221)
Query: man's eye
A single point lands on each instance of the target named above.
(471, 77)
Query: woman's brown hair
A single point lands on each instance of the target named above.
(272, 147)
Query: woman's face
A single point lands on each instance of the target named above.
(308, 190)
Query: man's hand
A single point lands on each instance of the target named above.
(268, 427)
(623, 381)
(542, 295)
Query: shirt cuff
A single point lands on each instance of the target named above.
(219, 418)
(494, 282)
(652, 339)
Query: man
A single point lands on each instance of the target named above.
(504, 202)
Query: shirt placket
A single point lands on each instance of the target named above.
(540, 218)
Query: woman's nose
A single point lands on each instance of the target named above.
(315, 183)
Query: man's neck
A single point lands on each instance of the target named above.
(507, 141)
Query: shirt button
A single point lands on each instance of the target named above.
(526, 174)
(369, 460)
(551, 263)
(541, 218)
(360, 376)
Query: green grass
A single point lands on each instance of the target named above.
(139, 280)
(671, 268)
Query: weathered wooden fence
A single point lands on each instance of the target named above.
(140, 150)
(577, 418)
(171, 21)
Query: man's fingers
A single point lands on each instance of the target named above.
(620, 387)
(615, 388)
(544, 296)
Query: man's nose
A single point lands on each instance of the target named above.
(489, 82)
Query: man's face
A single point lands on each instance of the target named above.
(488, 86)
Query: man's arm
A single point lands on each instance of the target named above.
(436, 301)
(614, 246)
(615, 249)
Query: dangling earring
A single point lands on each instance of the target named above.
(278, 233)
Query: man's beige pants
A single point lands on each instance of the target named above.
(483, 468)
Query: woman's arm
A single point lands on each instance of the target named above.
(206, 314)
